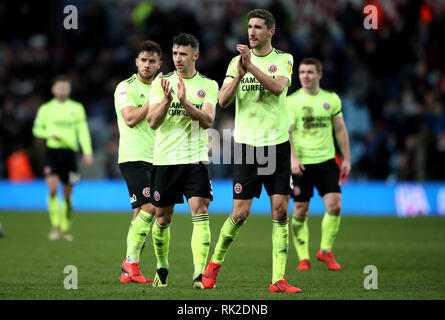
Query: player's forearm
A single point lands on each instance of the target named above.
(271, 84)
(205, 120)
(156, 115)
(40, 132)
(136, 115)
(85, 139)
(292, 151)
(227, 93)
(343, 142)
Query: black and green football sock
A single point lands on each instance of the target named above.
(200, 242)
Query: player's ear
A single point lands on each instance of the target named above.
(196, 55)
(272, 31)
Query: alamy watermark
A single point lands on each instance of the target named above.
(371, 280)
(70, 281)
(371, 20)
(71, 21)
(193, 144)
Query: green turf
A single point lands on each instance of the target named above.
(408, 254)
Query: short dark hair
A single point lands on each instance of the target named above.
(149, 46)
(185, 39)
(264, 14)
(61, 78)
(313, 61)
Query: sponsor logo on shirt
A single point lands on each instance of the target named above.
(122, 96)
(326, 106)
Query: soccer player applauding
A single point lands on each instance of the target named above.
(182, 107)
(259, 78)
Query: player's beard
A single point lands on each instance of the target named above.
(147, 78)
(259, 44)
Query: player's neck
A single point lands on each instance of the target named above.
(61, 100)
(263, 51)
(143, 80)
(312, 90)
(188, 74)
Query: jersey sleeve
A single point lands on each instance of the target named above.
(39, 128)
(124, 96)
(336, 106)
(156, 92)
(212, 94)
(232, 70)
(83, 132)
(285, 66)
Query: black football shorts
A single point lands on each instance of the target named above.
(138, 176)
(269, 166)
(172, 182)
(324, 176)
(63, 163)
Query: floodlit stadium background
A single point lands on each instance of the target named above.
(391, 81)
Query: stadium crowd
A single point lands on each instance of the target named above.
(391, 80)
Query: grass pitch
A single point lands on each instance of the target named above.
(408, 254)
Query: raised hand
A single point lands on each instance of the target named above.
(167, 90)
(242, 70)
(181, 90)
(245, 54)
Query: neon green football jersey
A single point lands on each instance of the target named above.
(63, 125)
(179, 140)
(261, 117)
(135, 144)
(312, 137)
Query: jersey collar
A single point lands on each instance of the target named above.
(251, 50)
(196, 73)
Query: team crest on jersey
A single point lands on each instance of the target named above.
(326, 106)
(157, 196)
(273, 68)
(146, 192)
(297, 191)
(201, 93)
(238, 188)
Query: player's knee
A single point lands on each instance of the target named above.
(148, 207)
(202, 210)
(164, 220)
(334, 208)
(240, 216)
(279, 213)
(300, 210)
